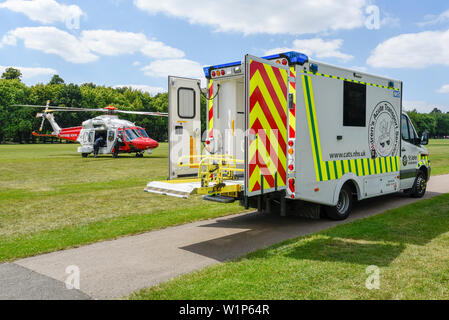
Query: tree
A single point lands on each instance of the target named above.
(56, 80)
(436, 110)
(12, 74)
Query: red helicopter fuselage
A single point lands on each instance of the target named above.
(136, 140)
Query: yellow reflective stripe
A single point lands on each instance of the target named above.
(322, 164)
(350, 80)
(211, 106)
(275, 83)
(258, 114)
(346, 166)
(257, 82)
(309, 122)
(292, 91)
(332, 170)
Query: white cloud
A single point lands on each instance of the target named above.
(44, 11)
(28, 73)
(113, 43)
(264, 16)
(423, 106)
(179, 67)
(317, 48)
(359, 68)
(434, 19)
(143, 88)
(444, 89)
(90, 45)
(413, 50)
(53, 41)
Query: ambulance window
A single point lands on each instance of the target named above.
(354, 105)
(186, 103)
(404, 129)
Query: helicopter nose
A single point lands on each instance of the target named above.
(153, 144)
(145, 143)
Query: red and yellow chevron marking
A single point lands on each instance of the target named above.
(292, 118)
(211, 108)
(268, 120)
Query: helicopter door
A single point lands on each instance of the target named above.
(110, 142)
(184, 118)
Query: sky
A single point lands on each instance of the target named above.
(139, 43)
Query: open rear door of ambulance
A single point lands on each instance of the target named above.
(266, 118)
(184, 127)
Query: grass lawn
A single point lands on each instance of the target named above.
(51, 198)
(439, 156)
(409, 245)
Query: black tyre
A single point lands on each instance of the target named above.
(420, 186)
(84, 155)
(344, 206)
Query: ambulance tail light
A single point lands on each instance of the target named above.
(291, 185)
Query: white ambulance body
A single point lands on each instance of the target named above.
(285, 128)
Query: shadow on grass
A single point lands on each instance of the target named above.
(342, 250)
(376, 240)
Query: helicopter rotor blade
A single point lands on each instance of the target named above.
(144, 113)
(49, 108)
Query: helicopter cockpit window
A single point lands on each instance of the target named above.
(143, 132)
(131, 135)
(137, 132)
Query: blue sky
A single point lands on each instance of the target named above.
(140, 42)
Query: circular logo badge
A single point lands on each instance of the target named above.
(404, 161)
(383, 131)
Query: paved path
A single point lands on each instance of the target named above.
(116, 268)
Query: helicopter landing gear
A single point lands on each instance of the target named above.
(139, 155)
(84, 155)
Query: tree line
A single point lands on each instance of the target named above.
(17, 124)
(436, 123)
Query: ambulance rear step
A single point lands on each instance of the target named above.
(185, 188)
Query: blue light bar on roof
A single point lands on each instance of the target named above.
(293, 57)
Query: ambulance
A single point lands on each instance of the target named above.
(288, 131)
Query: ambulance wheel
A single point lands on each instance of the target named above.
(344, 206)
(84, 155)
(420, 186)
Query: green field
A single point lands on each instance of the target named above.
(51, 198)
(439, 156)
(409, 245)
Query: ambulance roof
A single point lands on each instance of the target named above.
(293, 56)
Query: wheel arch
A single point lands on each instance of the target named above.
(424, 170)
(353, 182)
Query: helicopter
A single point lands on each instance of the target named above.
(133, 139)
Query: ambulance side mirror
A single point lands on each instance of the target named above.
(425, 139)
